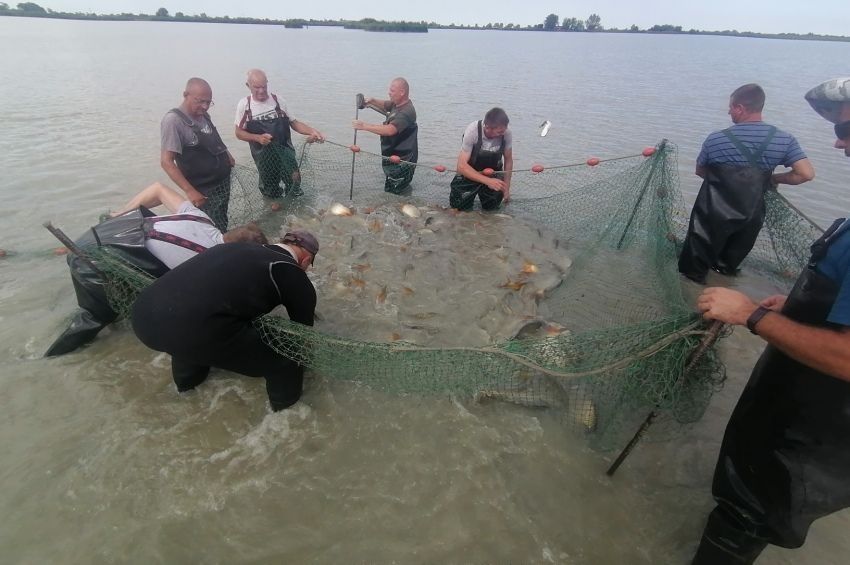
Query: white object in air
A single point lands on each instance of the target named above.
(545, 125)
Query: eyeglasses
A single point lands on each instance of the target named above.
(203, 102)
(842, 130)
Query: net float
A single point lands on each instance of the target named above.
(440, 168)
(537, 169)
(647, 151)
(488, 172)
(593, 161)
(60, 251)
(275, 206)
(354, 148)
(395, 159)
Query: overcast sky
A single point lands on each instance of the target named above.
(816, 16)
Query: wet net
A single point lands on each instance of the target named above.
(567, 298)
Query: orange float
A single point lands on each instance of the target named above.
(537, 169)
(60, 251)
(395, 159)
(440, 169)
(354, 148)
(488, 172)
(275, 207)
(647, 151)
(593, 161)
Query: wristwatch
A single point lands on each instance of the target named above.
(755, 318)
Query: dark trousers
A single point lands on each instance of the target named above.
(276, 163)
(218, 201)
(399, 177)
(245, 354)
(464, 191)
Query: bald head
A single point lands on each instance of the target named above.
(402, 84)
(258, 84)
(399, 92)
(197, 98)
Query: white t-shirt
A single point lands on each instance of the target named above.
(201, 233)
(470, 136)
(260, 110)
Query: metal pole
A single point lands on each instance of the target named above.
(709, 339)
(357, 100)
(66, 241)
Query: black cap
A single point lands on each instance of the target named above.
(303, 239)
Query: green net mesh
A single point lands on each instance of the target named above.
(568, 298)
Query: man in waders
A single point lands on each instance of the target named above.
(193, 154)
(737, 164)
(785, 457)
(262, 120)
(398, 135)
(202, 312)
(151, 243)
(486, 146)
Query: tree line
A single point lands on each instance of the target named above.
(550, 23)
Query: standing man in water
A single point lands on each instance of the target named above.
(202, 312)
(193, 154)
(262, 120)
(785, 457)
(398, 135)
(737, 167)
(486, 145)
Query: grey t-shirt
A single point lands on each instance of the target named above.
(201, 233)
(470, 137)
(175, 134)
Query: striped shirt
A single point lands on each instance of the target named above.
(783, 149)
(836, 267)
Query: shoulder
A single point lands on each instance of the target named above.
(242, 104)
(172, 119)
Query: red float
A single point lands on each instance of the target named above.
(2, 253)
(440, 168)
(647, 151)
(60, 251)
(275, 207)
(488, 172)
(537, 169)
(395, 159)
(593, 161)
(354, 148)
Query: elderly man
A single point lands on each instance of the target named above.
(152, 243)
(193, 154)
(263, 121)
(398, 135)
(486, 145)
(785, 457)
(737, 164)
(201, 313)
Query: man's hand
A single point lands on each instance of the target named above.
(316, 136)
(231, 160)
(264, 138)
(496, 184)
(775, 302)
(725, 305)
(196, 198)
(507, 195)
(358, 124)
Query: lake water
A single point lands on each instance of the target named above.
(103, 462)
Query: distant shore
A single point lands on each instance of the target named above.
(32, 10)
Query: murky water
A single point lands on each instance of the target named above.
(104, 462)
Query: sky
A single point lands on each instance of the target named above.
(765, 16)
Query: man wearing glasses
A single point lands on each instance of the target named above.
(193, 154)
(785, 457)
(262, 120)
(202, 312)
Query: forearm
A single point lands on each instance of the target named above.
(790, 177)
(824, 349)
(303, 128)
(509, 171)
(465, 169)
(245, 135)
(380, 129)
(377, 104)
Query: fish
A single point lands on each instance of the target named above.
(382, 296)
(395, 336)
(545, 125)
(407, 291)
(529, 268)
(376, 226)
(513, 285)
(361, 267)
(410, 211)
(338, 209)
(358, 282)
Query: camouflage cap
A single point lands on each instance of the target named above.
(827, 98)
(303, 239)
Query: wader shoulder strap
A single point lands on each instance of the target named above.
(246, 115)
(152, 233)
(280, 112)
(188, 121)
(755, 155)
(820, 246)
(476, 147)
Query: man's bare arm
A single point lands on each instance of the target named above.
(801, 171)
(152, 196)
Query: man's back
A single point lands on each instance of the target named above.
(718, 149)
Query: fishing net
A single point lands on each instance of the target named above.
(580, 267)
